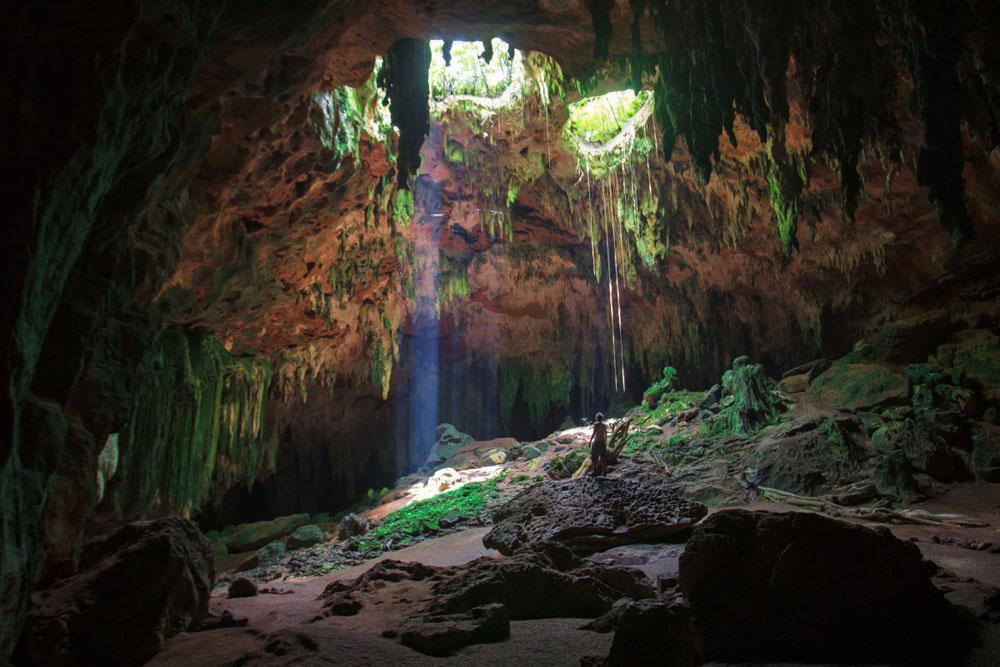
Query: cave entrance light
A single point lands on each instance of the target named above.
(609, 129)
(462, 74)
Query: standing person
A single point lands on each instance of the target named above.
(599, 446)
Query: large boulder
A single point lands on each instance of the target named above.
(651, 632)
(591, 514)
(804, 587)
(861, 386)
(912, 339)
(252, 536)
(440, 635)
(305, 536)
(449, 441)
(143, 583)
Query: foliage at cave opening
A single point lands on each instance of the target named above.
(599, 119)
(468, 72)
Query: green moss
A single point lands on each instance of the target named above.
(468, 503)
(541, 388)
(402, 207)
(600, 119)
(785, 187)
(197, 428)
(454, 152)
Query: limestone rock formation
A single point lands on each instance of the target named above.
(767, 587)
(141, 584)
(590, 514)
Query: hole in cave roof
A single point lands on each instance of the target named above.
(600, 119)
(468, 74)
(606, 129)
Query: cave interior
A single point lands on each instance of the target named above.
(266, 261)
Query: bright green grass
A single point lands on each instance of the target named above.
(404, 525)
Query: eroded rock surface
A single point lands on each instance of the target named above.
(145, 582)
(590, 514)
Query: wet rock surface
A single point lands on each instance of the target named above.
(141, 584)
(591, 514)
(803, 587)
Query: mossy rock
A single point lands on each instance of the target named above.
(750, 401)
(861, 386)
(975, 355)
(531, 452)
(449, 442)
(563, 467)
(925, 451)
(985, 460)
(251, 536)
(912, 339)
(305, 536)
(271, 550)
(494, 457)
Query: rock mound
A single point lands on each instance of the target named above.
(146, 581)
(591, 514)
(305, 536)
(803, 587)
(252, 536)
(475, 602)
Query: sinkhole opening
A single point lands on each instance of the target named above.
(473, 69)
(608, 129)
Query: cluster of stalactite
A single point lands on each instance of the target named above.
(197, 427)
(725, 58)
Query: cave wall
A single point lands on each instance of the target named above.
(159, 144)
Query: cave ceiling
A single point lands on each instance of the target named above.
(299, 245)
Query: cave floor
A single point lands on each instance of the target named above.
(282, 629)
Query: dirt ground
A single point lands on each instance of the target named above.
(281, 628)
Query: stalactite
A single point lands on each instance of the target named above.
(405, 79)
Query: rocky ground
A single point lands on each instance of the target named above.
(507, 552)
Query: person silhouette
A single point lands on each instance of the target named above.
(599, 446)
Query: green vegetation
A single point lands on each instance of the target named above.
(337, 120)
(599, 119)
(406, 525)
(196, 427)
(750, 402)
(540, 388)
(469, 73)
